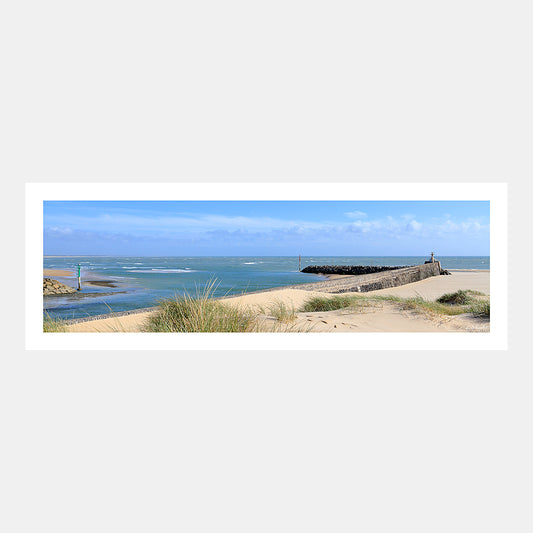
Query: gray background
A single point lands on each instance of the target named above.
(266, 441)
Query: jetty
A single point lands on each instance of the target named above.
(368, 278)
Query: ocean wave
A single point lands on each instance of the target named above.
(252, 263)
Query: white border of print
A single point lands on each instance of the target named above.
(496, 193)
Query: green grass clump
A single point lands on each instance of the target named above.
(53, 325)
(324, 303)
(427, 306)
(460, 297)
(282, 312)
(451, 304)
(200, 314)
(481, 308)
(468, 301)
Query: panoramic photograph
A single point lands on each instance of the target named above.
(266, 266)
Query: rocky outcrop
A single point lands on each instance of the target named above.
(52, 286)
(352, 270)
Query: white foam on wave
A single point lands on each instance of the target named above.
(252, 263)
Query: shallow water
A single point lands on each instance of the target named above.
(142, 281)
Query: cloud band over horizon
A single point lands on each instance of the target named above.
(266, 228)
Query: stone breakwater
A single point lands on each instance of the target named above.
(393, 277)
(351, 270)
(52, 286)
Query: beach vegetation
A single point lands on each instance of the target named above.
(53, 325)
(282, 312)
(200, 314)
(329, 303)
(192, 315)
(461, 297)
(429, 307)
(480, 308)
(468, 301)
(449, 304)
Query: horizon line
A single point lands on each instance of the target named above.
(256, 255)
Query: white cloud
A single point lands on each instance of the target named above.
(356, 214)
(414, 225)
(182, 227)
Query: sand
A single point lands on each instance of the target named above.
(121, 324)
(47, 272)
(432, 288)
(378, 317)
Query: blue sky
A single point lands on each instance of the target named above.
(138, 228)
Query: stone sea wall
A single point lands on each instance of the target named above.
(373, 281)
(401, 277)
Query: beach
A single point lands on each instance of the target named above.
(50, 272)
(377, 315)
(122, 284)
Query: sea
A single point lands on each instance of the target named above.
(137, 282)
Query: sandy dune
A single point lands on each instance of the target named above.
(377, 317)
(432, 288)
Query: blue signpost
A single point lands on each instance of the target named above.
(79, 277)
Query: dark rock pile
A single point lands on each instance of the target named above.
(52, 286)
(353, 270)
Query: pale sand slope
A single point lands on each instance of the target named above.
(433, 288)
(385, 316)
(122, 324)
(53, 272)
(382, 316)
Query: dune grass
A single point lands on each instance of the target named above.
(282, 312)
(461, 297)
(53, 325)
(481, 308)
(330, 303)
(200, 314)
(474, 302)
(430, 307)
(188, 315)
(451, 304)
(356, 302)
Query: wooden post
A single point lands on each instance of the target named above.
(79, 277)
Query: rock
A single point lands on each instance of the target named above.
(52, 286)
(354, 270)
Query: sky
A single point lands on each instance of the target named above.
(255, 228)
